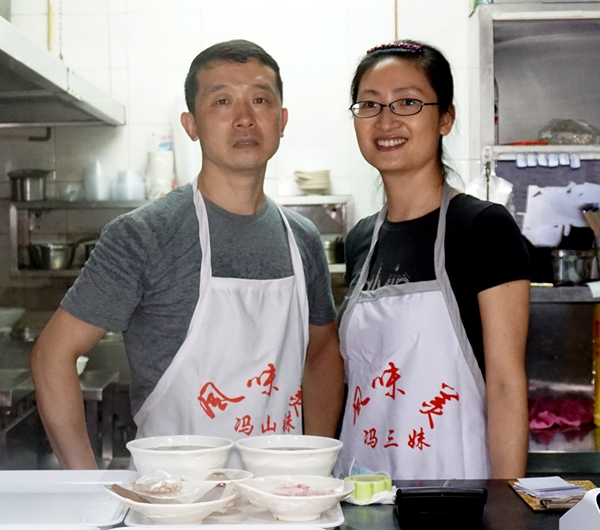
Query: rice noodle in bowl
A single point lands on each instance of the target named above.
(178, 454)
(287, 454)
(296, 497)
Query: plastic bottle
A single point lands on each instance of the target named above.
(96, 183)
(128, 186)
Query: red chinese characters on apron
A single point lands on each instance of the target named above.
(416, 396)
(238, 372)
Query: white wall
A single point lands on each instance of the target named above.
(139, 51)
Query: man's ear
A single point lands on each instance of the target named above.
(189, 124)
(284, 120)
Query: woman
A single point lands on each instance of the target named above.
(433, 331)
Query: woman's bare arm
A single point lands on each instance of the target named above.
(505, 319)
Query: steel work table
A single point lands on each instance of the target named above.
(96, 388)
(17, 401)
(504, 509)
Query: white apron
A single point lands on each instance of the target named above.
(239, 369)
(416, 396)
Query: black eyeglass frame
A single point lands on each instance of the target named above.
(391, 106)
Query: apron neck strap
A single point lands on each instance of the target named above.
(439, 252)
(204, 234)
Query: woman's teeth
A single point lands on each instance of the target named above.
(391, 143)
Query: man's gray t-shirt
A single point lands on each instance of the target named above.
(143, 277)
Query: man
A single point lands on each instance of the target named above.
(223, 299)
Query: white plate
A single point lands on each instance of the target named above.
(60, 498)
(47, 527)
(247, 515)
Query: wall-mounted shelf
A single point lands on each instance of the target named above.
(533, 62)
(33, 273)
(23, 220)
(510, 152)
(77, 205)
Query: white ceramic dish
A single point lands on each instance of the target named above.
(288, 454)
(41, 500)
(189, 513)
(81, 363)
(212, 453)
(226, 476)
(246, 515)
(295, 498)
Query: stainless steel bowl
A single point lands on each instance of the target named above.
(28, 184)
(51, 256)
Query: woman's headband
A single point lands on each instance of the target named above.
(397, 45)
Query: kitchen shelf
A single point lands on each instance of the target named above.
(37, 273)
(532, 62)
(77, 205)
(510, 152)
(25, 215)
(562, 295)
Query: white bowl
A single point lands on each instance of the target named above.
(295, 498)
(150, 454)
(189, 513)
(81, 362)
(225, 476)
(289, 454)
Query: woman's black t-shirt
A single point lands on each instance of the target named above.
(484, 248)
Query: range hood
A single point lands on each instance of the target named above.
(39, 90)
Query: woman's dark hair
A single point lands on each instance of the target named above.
(432, 63)
(238, 51)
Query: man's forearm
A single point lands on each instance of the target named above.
(60, 404)
(323, 386)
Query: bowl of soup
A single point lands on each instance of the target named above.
(296, 498)
(179, 454)
(289, 454)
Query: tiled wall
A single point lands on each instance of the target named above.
(139, 51)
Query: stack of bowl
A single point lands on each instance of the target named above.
(313, 182)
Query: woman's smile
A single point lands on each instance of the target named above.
(389, 144)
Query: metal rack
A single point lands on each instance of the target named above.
(23, 217)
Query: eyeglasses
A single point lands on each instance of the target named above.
(400, 107)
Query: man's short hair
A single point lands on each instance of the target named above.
(238, 51)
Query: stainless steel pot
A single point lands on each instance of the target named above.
(88, 247)
(51, 256)
(28, 184)
(334, 250)
(572, 267)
